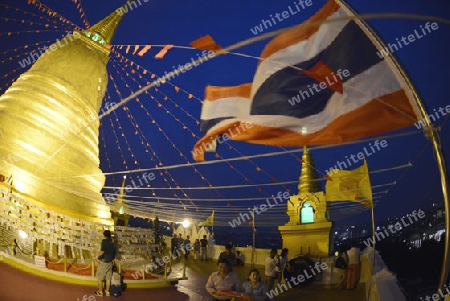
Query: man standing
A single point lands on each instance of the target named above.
(270, 269)
(203, 246)
(174, 245)
(223, 281)
(353, 266)
(108, 253)
(187, 247)
(180, 245)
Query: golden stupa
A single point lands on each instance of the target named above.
(308, 230)
(49, 124)
(309, 178)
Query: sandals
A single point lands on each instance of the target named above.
(98, 294)
(107, 294)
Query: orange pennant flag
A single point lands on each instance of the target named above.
(205, 43)
(136, 48)
(144, 50)
(163, 52)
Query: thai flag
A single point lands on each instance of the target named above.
(315, 85)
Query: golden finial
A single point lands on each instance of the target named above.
(309, 179)
(108, 26)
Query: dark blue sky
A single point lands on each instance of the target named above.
(160, 136)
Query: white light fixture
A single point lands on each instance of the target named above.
(22, 234)
(186, 223)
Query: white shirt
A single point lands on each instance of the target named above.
(269, 268)
(283, 262)
(218, 283)
(353, 255)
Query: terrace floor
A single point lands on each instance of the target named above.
(20, 286)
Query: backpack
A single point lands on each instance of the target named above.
(340, 263)
(115, 291)
(116, 288)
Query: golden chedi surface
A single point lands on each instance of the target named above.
(308, 176)
(50, 125)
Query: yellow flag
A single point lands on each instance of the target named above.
(350, 185)
(209, 221)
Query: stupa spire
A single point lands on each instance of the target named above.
(308, 177)
(107, 27)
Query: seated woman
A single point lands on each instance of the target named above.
(254, 287)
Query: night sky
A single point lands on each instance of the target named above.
(161, 128)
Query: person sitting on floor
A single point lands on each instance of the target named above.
(223, 281)
(254, 287)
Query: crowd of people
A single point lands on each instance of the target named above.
(224, 283)
(180, 246)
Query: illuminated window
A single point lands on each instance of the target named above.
(307, 214)
(96, 37)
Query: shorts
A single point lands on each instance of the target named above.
(104, 270)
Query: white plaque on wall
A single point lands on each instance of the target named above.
(40, 261)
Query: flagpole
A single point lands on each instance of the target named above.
(253, 244)
(213, 224)
(430, 132)
(373, 249)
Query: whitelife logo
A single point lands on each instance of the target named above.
(111, 197)
(317, 269)
(398, 226)
(359, 156)
(131, 5)
(47, 50)
(280, 17)
(323, 85)
(421, 123)
(411, 38)
(206, 55)
(243, 217)
(232, 132)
